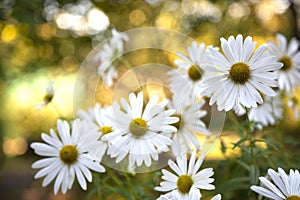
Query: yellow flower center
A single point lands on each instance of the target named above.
(195, 72)
(239, 73)
(138, 127)
(287, 63)
(295, 100)
(106, 129)
(48, 98)
(184, 183)
(177, 124)
(293, 197)
(68, 154)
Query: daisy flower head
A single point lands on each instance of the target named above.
(190, 69)
(189, 125)
(68, 155)
(187, 180)
(287, 53)
(101, 117)
(47, 97)
(282, 185)
(139, 130)
(293, 104)
(108, 53)
(175, 196)
(267, 113)
(241, 73)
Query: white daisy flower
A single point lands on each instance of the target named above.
(241, 74)
(68, 155)
(106, 56)
(188, 180)
(188, 126)
(139, 128)
(239, 110)
(107, 70)
(288, 54)
(217, 197)
(48, 96)
(118, 39)
(267, 113)
(281, 186)
(293, 105)
(101, 117)
(175, 196)
(190, 71)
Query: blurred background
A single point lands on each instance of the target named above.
(47, 40)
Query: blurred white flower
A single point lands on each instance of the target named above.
(186, 79)
(69, 155)
(289, 55)
(112, 49)
(138, 130)
(188, 181)
(293, 103)
(117, 40)
(241, 74)
(175, 196)
(189, 125)
(267, 113)
(101, 117)
(48, 96)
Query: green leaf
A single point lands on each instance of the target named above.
(243, 164)
(253, 125)
(238, 143)
(234, 183)
(223, 147)
(254, 174)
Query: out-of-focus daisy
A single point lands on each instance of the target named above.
(241, 74)
(48, 96)
(267, 113)
(188, 181)
(190, 71)
(293, 104)
(139, 128)
(101, 117)
(107, 69)
(289, 55)
(117, 40)
(282, 185)
(68, 155)
(111, 50)
(188, 126)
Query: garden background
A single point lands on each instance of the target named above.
(43, 41)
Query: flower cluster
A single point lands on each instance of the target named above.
(239, 76)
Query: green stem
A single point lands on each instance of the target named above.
(97, 185)
(250, 137)
(277, 128)
(115, 178)
(57, 110)
(278, 131)
(129, 66)
(134, 196)
(236, 122)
